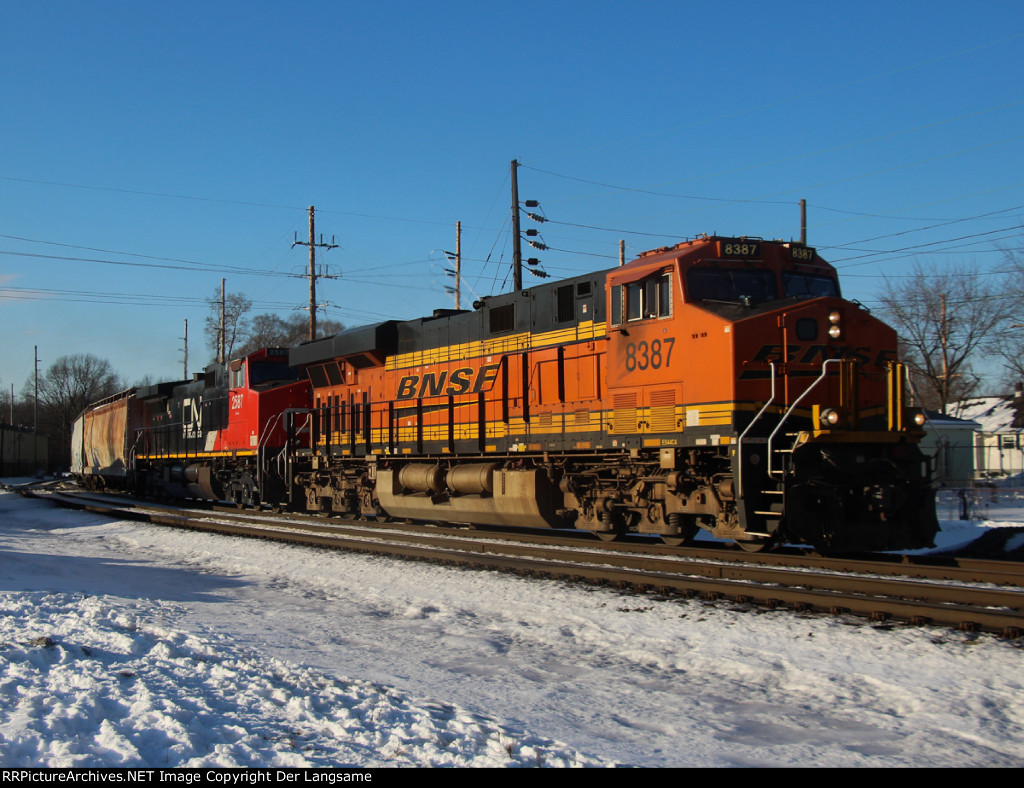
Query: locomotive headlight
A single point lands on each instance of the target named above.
(834, 330)
(919, 418)
(829, 417)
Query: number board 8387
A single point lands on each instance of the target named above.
(740, 247)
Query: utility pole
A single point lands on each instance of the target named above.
(803, 222)
(223, 327)
(312, 270)
(622, 252)
(517, 252)
(458, 263)
(185, 373)
(945, 354)
(35, 416)
(456, 260)
(35, 407)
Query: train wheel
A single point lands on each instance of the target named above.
(620, 523)
(688, 530)
(753, 545)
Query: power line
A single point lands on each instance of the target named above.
(114, 251)
(128, 299)
(928, 227)
(926, 245)
(221, 201)
(205, 269)
(649, 191)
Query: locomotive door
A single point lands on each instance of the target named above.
(241, 433)
(515, 386)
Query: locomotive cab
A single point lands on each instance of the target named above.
(776, 405)
(219, 437)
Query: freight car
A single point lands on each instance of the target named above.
(721, 384)
(102, 441)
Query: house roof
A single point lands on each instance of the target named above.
(993, 414)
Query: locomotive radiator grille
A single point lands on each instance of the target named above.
(663, 411)
(624, 415)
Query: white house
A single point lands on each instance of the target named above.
(998, 445)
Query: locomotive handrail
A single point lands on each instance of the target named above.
(265, 437)
(789, 412)
(739, 440)
(133, 450)
(260, 446)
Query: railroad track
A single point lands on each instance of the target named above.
(973, 595)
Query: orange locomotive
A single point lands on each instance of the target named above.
(721, 384)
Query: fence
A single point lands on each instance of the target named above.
(22, 451)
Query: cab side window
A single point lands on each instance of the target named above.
(645, 299)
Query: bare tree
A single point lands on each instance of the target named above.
(68, 386)
(944, 319)
(1009, 347)
(269, 330)
(236, 324)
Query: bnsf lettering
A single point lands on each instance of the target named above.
(433, 384)
(407, 387)
(818, 353)
(815, 354)
(461, 379)
(774, 353)
(464, 380)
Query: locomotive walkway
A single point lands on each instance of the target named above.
(966, 594)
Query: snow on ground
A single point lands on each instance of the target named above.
(124, 644)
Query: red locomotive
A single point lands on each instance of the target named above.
(722, 384)
(219, 436)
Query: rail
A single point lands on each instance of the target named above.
(919, 595)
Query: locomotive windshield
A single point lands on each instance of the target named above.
(733, 286)
(266, 372)
(809, 285)
(730, 285)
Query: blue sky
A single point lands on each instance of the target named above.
(149, 149)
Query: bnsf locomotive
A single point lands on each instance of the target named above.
(722, 384)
